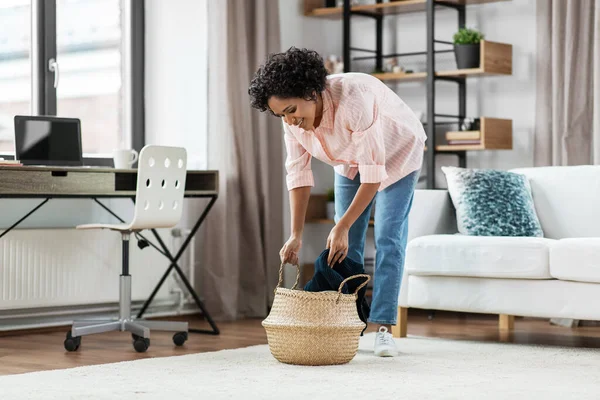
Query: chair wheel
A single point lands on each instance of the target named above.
(179, 338)
(141, 344)
(72, 343)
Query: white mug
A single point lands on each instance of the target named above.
(124, 158)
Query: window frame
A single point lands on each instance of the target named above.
(43, 99)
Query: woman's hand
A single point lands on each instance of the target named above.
(289, 251)
(337, 243)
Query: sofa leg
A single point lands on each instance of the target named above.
(506, 323)
(399, 330)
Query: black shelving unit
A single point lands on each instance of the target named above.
(461, 82)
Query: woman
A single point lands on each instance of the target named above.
(375, 143)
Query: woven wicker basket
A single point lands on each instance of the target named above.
(314, 328)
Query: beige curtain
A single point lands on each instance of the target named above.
(568, 87)
(243, 233)
(568, 83)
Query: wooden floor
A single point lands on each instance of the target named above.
(39, 350)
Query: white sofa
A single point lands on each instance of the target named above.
(557, 276)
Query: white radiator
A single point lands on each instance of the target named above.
(64, 267)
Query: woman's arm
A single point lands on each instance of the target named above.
(364, 195)
(363, 120)
(298, 205)
(299, 182)
(337, 242)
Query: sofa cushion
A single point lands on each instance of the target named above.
(492, 203)
(566, 199)
(576, 260)
(479, 256)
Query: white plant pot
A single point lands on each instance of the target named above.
(330, 210)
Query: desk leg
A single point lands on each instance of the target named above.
(199, 303)
(24, 218)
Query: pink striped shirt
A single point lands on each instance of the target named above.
(366, 128)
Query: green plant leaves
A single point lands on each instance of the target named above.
(330, 195)
(467, 36)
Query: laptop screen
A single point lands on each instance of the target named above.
(41, 140)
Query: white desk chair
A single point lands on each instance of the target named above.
(159, 197)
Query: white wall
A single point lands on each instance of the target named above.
(510, 97)
(176, 76)
(177, 88)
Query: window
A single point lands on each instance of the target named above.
(77, 61)
(88, 49)
(15, 69)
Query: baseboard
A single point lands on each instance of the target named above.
(34, 319)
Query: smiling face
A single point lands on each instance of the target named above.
(289, 85)
(297, 111)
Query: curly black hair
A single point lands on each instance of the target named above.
(295, 73)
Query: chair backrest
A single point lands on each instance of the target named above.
(160, 187)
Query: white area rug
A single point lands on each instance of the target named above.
(427, 368)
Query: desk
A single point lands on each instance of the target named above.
(95, 183)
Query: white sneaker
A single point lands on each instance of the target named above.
(385, 345)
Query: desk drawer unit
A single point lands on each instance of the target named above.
(90, 182)
(55, 182)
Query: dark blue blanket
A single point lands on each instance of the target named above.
(327, 278)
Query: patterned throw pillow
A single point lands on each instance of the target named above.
(492, 202)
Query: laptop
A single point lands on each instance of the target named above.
(45, 140)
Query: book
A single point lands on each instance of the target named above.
(463, 135)
(4, 162)
(463, 142)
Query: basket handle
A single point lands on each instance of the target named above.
(354, 277)
(281, 277)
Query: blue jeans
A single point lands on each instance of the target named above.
(391, 230)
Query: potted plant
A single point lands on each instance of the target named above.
(330, 204)
(467, 48)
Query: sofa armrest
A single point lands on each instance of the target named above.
(432, 213)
